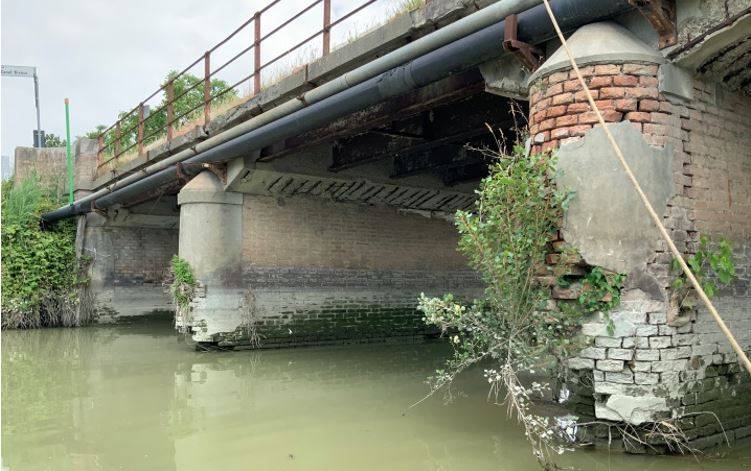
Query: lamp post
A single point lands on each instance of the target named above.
(28, 72)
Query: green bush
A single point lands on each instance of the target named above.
(506, 237)
(41, 283)
(183, 282)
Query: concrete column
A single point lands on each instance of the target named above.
(211, 241)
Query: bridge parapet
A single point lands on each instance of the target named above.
(136, 149)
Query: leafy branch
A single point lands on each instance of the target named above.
(712, 264)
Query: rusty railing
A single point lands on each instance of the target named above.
(112, 146)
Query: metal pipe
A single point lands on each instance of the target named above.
(449, 50)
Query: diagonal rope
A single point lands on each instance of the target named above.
(655, 218)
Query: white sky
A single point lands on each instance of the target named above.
(107, 55)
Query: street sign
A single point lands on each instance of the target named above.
(28, 72)
(18, 71)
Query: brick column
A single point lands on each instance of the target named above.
(559, 111)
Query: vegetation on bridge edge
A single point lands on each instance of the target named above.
(187, 108)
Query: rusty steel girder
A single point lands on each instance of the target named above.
(661, 15)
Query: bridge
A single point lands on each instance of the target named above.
(317, 208)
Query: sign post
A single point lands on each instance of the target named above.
(28, 72)
(67, 152)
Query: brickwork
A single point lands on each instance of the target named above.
(321, 272)
(142, 254)
(559, 111)
(664, 365)
(129, 265)
(312, 232)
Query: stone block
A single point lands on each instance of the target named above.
(703, 350)
(624, 377)
(675, 353)
(620, 354)
(608, 342)
(594, 353)
(634, 410)
(610, 365)
(660, 342)
(634, 317)
(658, 318)
(646, 378)
(647, 355)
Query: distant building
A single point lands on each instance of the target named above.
(6, 165)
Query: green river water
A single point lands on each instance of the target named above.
(135, 397)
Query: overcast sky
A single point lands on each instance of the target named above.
(108, 55)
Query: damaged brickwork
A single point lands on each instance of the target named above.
(654, 365)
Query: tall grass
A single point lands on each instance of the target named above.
(42, 282)
(20, 201)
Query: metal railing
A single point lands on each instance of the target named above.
(123, 136)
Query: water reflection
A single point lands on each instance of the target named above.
(135, 397)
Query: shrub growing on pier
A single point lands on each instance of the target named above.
(506, 237)
(182, 288)
(41, 283)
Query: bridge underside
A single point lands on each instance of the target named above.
(336, 232)
(327, 236)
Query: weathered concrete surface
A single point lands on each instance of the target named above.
(676, 83)
(606, 220)
(211, 229)
(128, 249)
(84, 170)
(634, 410)
(714, 41)
(48, 164)
(211, 242)
(599, 43)
(504, 77)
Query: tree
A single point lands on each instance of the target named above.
(96, 132)
(188, 106)
(52, 140)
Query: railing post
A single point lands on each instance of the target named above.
(170, 109)
(140, 129)
(257, 54)
(206, 88)
(326, 26)
(118, 136)
(100, 141)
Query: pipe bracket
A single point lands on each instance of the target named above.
(528, 55)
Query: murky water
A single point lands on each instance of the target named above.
(134, 397)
